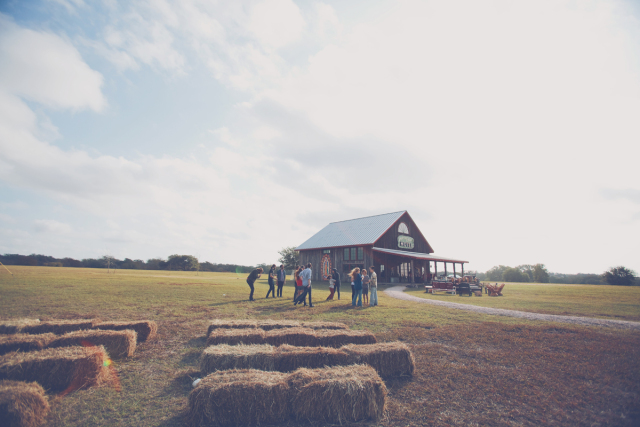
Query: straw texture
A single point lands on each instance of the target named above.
(145, 329)
(58, 327)
(24, 342)
(14, 326)
(117, 343)
(22, 404)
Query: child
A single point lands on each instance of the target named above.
(365, 286)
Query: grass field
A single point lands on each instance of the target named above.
(602, 301)
(472, 369)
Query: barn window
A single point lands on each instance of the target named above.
(346, 254)
(353, 253)
(402, 228)
(360, 254)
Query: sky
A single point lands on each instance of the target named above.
(509, 130)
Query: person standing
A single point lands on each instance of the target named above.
(272, 282)
(305, 275)
(253, 276)
(336, 277)
(365, 286)
(373, 285)
(282, 277)
(357, 287)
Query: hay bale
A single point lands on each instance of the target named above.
(300, 337)
(231, 324)
(337, 395)
(146, 329)
(58, 327)
(339, 337)
(223, 357)
(58, 369)
(269, 325)
(289, 358)
(24, 342)
(14, 326)
(236, 336)
(117, 343)
(324, 325)
(240, 397)
(390, 360)
(22, 404)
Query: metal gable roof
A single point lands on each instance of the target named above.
(361, 231)
(417, 255)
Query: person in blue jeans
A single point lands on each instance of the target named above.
(356, 277)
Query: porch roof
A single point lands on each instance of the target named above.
(418, 255)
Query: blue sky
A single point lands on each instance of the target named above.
(229, 130)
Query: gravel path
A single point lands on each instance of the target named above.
(397, 292)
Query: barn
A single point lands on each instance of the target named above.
(391, 242)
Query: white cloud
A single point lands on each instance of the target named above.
(51, 226)
(276, 23)
(45, 68)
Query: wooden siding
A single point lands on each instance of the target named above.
(389, 240)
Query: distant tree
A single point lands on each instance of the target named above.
(182, 262)
(155, 264)
(619, 276)
(70, 262)
(495, 273)
(265, 267)
(511, 274)
(528, 270)
(288, 257)
(540, 274)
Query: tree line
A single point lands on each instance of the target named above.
(538, 273)
(173, 262)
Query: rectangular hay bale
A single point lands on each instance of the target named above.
(390, 360)
(224, 357)
(300, 337)
(58, 327)
(146, 329)
(288, 358)
(348, 394)
(231, 324)
(339, 337)
(57, 369)
(117, 343)
(268, 325)
(22, 404)
(324, 325)
(24, 342)
(239, 397)
(14, 326)
(236, 336)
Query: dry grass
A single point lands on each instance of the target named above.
(239, 397)
(269, 324)
(22, 404)
(14, 326)
(349, 394)
(58, 369)
(145, 329)
(117, 343)
(58, 327)
(390, 360)
(301, 337)
(24, 342)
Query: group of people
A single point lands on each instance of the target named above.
(362, 282)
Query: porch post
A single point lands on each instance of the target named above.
(435, 266)
(445, 269)
(413, 272)
(462, 264)
(454, 270)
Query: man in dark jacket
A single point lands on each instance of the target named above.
(336, 276)
(253, 276)
(282, 276)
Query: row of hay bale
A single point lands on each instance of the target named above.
(58, 369)
(252, 397)
(145, 329)
(117, 343)
(388, 359)
(268, 324)
(297, 336)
